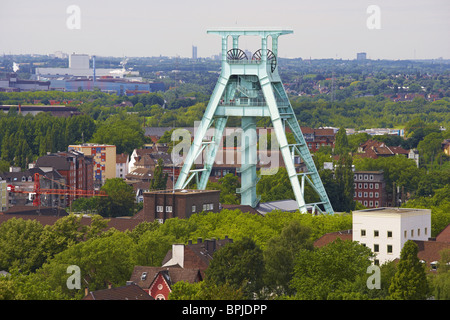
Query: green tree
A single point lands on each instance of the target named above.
(152, 247)
(227, 186)
(68, 231)
(119, 200)
(125, 133)
(430, 149)
(159, 180)
(108, 259)
(240, 264)
(409, 282)
(204, 290)
(280, 253)
(320, 272)
(20, 245)
(344, 182)
(341, 145)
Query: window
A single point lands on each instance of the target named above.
(363, 232)
(370, 194)
(376, 248)
(418, 232)
(370, 185)
(371, 204)
(412, 233)
(389, 248)
(404, 235)
(194, 208)
(366, 177)
(376, 203)
(377, 195)
(159, 208)
(426, 231)
(376, 233)
(376, 186)
(371, 177)
(360, 194)
(365, 194)
(365, 203)
(376, 262)
(360, 177)
(389, 234)
(360, 185)
(365, 185)
(168, 208)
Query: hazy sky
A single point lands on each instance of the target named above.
(322, 28)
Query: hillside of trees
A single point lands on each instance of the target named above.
(280, 245)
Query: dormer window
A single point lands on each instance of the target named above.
(144, 276)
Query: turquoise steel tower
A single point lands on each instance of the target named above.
(250, 87)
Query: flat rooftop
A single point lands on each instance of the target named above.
(393, 210)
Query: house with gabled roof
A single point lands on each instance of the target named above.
(194, 255)
(158, 281)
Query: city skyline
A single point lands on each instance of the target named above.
(327, 29)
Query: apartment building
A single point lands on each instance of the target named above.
(74, 166)
(104, 157)
(165, 204)
(370, 189)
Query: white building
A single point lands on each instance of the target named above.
(385, 230)
(79, 67)
(121, 165)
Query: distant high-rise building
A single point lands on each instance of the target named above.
(194, 52)
(361, 56)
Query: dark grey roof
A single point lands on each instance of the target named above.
(54, 161)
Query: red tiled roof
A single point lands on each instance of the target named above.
(330, 237)
(429, 251)
(128, 292)
(444, 235)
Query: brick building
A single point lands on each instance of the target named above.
(376, 149)
(370, 189)
(316, 138)
(74, 166)
(165, 204)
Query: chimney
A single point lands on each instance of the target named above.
(177, 256)
(210, 245)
